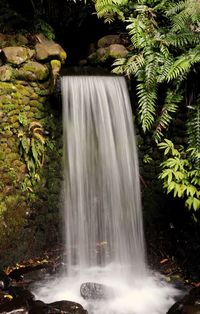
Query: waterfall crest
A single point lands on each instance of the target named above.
(102, 203)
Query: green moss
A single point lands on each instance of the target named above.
(34, 96)
(13, 119)
(13, 156)
(9, 107)
(14, 112)
(2, 155)
(7, 88)
(16, 95)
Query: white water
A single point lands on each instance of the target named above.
(102, 203)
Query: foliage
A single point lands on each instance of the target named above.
(31, 147)
(164, 50)
(181, 173)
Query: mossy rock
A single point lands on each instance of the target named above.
(117, 51)
(7, 88)
(13, 156)
(14, 119)
(6, 73)
(33, 71)
(17, 55)
(50, 50)
(109, 40)
(34, 96)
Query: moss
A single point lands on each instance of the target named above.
(8, 133)
(17, 95)
(13, 156)
(23, 90)
(7, 88)
(27, 108)
(15, 126)
(13, 119)
(9, 107)
(14, 112)
(25, 101)
(34, 96)
(2, 155)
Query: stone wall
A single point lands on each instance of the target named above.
(30, 145)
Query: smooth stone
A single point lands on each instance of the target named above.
(95, 291)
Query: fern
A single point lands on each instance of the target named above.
(170, 106)
(193, 127)
(109, 9)
(146, 105)
(183, 64)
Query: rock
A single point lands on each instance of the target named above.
(68, 307)
(6, 73)
(14, 307)
(55, 69)
(4, 281)
(17, 55)
(60, 307)
(109, 40)
(48, 49)
(117, 51)
(32, 71)
(95, 291)
(189, 304)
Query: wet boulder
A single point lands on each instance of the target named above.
(189, 304)
(95, 291)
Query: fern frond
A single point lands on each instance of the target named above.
(184, 63)
(183, 14)
(183, 39)
(109, 8)
(170, 106)
(146, 105)
(193, 127)
(129, 66)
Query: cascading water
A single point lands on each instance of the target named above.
(102, 192)
(102, 203)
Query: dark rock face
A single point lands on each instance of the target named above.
(95, 291)
(4, 281)
(19, 300)
(189, 304)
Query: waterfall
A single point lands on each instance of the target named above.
(102, 201)
(102, 204)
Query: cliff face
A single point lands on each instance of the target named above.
(30, 144)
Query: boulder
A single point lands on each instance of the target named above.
(4, 281)
(17, 55)
(109, 40)
(68, 307)
(95, 291)
(6, 73)
(48, 49)
(117, 51)
(32, 71)
(189, 304)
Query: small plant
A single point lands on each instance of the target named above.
(31, 146)
(147, 159)
(181, 173)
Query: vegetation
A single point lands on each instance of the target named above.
(164, 59)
